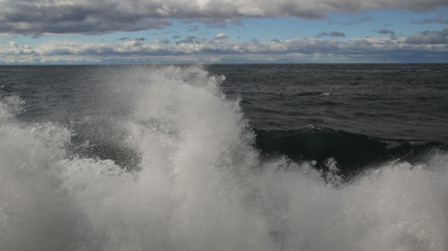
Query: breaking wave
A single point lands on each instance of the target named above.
(179, 169)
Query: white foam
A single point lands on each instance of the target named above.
(202, 185)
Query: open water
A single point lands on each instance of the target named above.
(224, 157)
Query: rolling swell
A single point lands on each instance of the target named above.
(352, 152)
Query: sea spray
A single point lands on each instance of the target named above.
(199, 183)
(35, 214)
(186, 196)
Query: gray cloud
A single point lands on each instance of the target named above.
(132, 39)
(332, 34)
(440, 20)
(429, 37)
(87, 16)
(52, 16)
(386, 32)
(194, 28)
(163, 41)
(189, 40)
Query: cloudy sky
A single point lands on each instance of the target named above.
(222, 31)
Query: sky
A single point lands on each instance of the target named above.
(223, 31)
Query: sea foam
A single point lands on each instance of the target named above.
(200, 183)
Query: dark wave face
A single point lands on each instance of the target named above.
(353, 152)
(113, 158)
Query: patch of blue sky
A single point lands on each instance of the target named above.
(367, 24)
(267, 29)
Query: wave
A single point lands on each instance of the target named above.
(199, 182)
(354, 153)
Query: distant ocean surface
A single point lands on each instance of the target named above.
(224, 157)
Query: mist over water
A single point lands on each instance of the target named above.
(197, 181)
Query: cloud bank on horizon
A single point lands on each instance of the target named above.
(43, 31)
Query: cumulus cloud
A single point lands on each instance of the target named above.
(87, 16)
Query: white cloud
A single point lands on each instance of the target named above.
(221, 36)
(13, 44)
(224, 51)
(87, 16)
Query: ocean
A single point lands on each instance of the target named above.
(224, 157)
